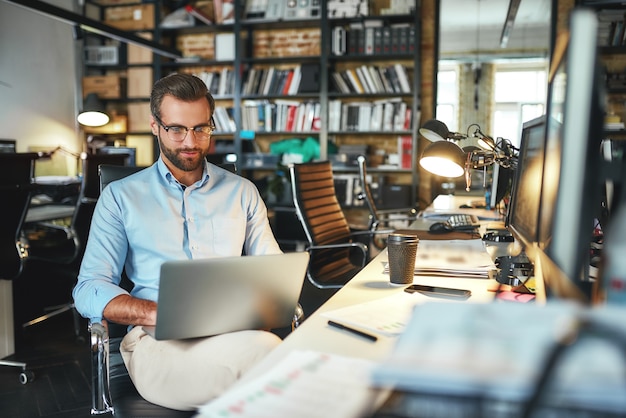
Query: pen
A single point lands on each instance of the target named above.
(352, 330)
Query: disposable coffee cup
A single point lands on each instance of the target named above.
(401, 253)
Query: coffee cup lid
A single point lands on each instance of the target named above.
(397, 237)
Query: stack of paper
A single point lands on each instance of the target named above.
(305, 384)
(452, 258)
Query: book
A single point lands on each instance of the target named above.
(364, 82)
(405, 151)
(403, 79)
(316, 125)
(287, 82)
(368, 79)
(294, 86)
(268, 81)
(338, 40)
(354, 81)
(375, 75)
(310, 78)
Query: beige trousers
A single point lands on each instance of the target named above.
(185, 374)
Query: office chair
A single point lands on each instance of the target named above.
(112, 388)
(376, 218)
(62, 247)
(16, 174)
(331, 243)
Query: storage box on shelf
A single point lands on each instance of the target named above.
(133, 70)
(105, 86)
(133, 17)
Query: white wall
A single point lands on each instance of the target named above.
(39, 83)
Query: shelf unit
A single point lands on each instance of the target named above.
(135, 68)
(612, 52)
(314, 47)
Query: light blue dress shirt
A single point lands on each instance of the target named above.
(147, 218)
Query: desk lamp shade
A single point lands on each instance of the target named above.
(444, 158)
(93, 112)
(434, 130)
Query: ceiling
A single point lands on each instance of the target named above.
(469, 26)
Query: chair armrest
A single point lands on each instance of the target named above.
(56, 227)
(358, 245)
(100, 393)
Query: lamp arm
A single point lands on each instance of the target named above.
(49, 154)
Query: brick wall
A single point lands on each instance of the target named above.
(287, 42)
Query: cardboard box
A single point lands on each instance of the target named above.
(135, 17)
(139, 82)
(117, 125)
(139, 117)
(196, 45)
(105, 86)
(137, 54)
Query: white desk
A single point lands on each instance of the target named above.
(368, 285)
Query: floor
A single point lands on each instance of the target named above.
(62, 374)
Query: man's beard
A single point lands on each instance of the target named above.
(184, 164)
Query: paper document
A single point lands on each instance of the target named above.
(452, 258)
(305, 384)
(387, 316)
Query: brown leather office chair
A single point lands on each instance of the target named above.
(331, 243)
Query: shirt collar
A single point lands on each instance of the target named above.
(165, 173)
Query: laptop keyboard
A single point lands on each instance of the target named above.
(463, 221)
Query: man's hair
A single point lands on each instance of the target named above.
(185, 87)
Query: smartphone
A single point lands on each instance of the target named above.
(444, 292)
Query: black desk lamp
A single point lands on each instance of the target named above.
(93, 112)
(445, 158)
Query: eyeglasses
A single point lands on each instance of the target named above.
(178, 133)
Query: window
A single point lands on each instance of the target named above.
(448, 96)
(519, 95)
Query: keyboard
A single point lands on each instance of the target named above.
(463, 221)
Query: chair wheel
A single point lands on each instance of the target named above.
(26, 377)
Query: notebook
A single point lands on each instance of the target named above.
(200, 298)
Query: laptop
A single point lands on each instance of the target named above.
(201, 298)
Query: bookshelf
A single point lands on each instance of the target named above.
(275, 76)
(612, 50)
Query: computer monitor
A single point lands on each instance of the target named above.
(522, 217)
(8, 145)
(571, 179)
(501, 183)
(131, 160)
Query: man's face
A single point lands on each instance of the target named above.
(188, 153)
